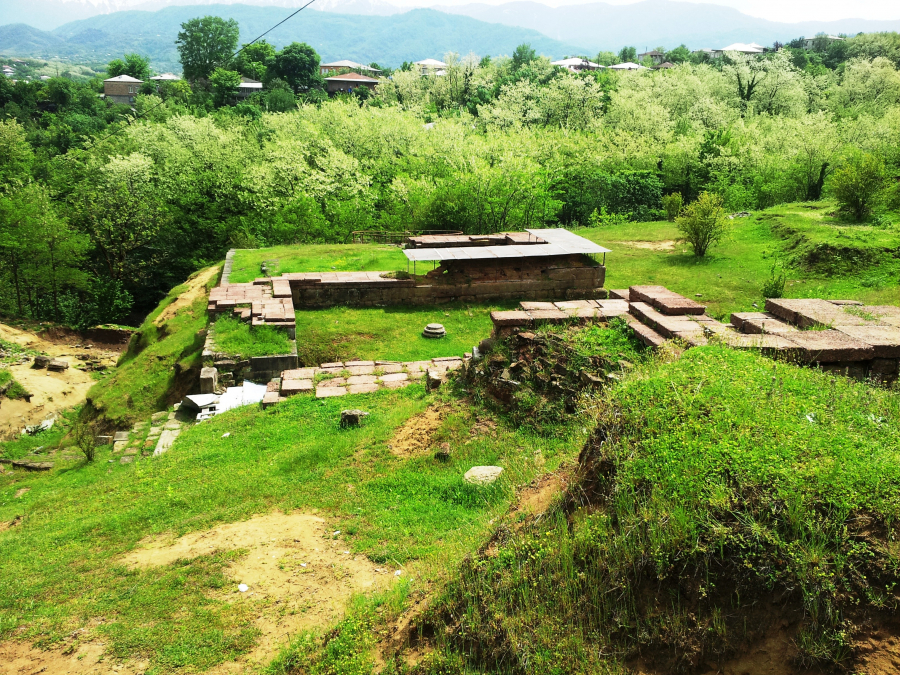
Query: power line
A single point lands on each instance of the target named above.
(233, 56)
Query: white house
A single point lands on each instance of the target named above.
(628, 65)
(432, 66)
(739, 47)
(577, 64)
(334, 66)
(808, 42)
(165, 77)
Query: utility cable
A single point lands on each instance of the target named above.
(233, 56)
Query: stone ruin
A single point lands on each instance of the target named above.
(845, 336)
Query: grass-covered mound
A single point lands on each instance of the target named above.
(9, 387)
(237, 338)
(315, 258)
(163, 358)
(721, 495)
(390, 333)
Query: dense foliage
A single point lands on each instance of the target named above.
(138, 199)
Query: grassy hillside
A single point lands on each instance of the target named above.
(389, 40)
(722, 496)
(163, 359)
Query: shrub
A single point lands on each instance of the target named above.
(633, 193)
(85, 440)
(603, 218)
(702, 223)
(858, 184)
(672, 204)
(773, 287)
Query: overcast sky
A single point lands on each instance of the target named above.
(775, 10)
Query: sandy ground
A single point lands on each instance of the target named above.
(414, 437)
(298, 576)
(52, 391)
(668, 245)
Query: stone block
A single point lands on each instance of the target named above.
(828, 346)
(271, 398)
(806, 313)
(120, 436)
(574, 304)
(390, 368)
(511, 318)
(362, 388)
(647, 335)
(885, 340)
(208, 380)
(58, 365)
(360, 370)
(299, 374)
(885, 314)
(336, 364)
(766, 326)
(348, 364)
(291, 387)
(41, 361)
(395, 377)
(529, 306)
(738, 318)
(612, 307)
(361, 379)
(551, 316)
(763, 342)
(620, 294)
(397, 384)
(666, 301)
(328, 392)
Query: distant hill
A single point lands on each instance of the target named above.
(389, 40)
(652, 23)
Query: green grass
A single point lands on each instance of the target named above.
(717, 481)
(316, 258)
(824, 258)
(390, 333)
(237, 338)
(59, 569)
(15, 390)
(160, 364)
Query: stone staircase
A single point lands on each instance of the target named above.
(836, 335)
(152, 437)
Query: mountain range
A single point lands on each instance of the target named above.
(388, 40)
(375, 30)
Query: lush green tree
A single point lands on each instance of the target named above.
(858, 184)
(681, 54)
(224, 84)
(523, 55)
(252, 59)
(281, 99)
(298, 65)
(702, 223)
(133, 65)
(205, 44)
(606, 59)
(16, 155)
(627, 54)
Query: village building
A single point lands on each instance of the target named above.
(248, 87)
(122, 88)
(337, 66)
(628, 65)
(655, 56)
(165, 77)
(577, 64)
(740, 48)
(431, 67)
(809, 42)
(348, 82)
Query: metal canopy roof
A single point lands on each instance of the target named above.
(558, 242)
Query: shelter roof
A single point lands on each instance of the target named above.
(352, 77)
(124, 78)
(556, 241)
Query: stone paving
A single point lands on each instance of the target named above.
(355, 377)
(841, 335)
(263, 302)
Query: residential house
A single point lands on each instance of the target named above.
(431, 67)
(165, 77)
(665, 66)
(337, 66)
(577, 64)
(809, 42)
(248, 87)
(628, 65)
(655, 56)
(739, 47)
(122, 88)
(348, 82)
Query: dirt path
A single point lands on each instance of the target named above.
(196, 288)
(52, 392)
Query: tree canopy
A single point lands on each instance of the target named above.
(205, 44)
